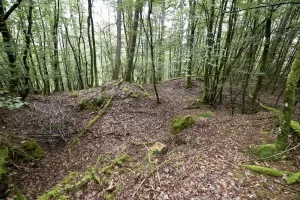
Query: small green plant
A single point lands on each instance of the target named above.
(9, 102)
(265, 151)
(99, 102)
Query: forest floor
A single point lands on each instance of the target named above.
(204, 163)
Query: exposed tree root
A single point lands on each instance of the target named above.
(74, 181)
(91, 123)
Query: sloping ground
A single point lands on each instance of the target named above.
(203, 163)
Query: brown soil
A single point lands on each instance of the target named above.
(204, 163)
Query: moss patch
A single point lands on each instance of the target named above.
(265, 150)
(293, 178)
(206, 115)
(74, 93)
(99, 102)
(180, 123)
(265, 170)
(32, 150)
(3, 157)
(295, 126)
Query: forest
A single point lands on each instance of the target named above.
(149, 99)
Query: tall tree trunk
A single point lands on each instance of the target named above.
(192, 26)
(119, 38)
(28, 35)
(55, 60)
(264, 57)
(132, 41)
(289, 99)
(9, 45)
(209, 43)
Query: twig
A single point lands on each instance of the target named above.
(287, 186)
(278, 154)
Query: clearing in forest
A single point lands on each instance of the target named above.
(126, 149)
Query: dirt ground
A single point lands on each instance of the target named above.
(204, 162)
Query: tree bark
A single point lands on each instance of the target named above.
(119, 40)
(289, 99)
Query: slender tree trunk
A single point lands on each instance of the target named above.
(9, 45)
(118, 49)
(28, 35)
(264, 57)
(192, 26)
(132, 41)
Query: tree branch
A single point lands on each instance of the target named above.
(11, 9)
(264, 6)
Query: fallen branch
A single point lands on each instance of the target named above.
(91, 123)
(74, 181)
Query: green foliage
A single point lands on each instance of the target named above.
(293, 178)
(180, 123)
(265, 170)
(75, 93)
(18, 194)
(99, 102)
(32, 150)
(3, 157)
(295, 126)
(9, 102)
(206, 115)
(265, 150)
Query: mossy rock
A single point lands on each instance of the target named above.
(32, 150)
(266, 150)
(100, 101)
(75, 93)
(265, 170)
(158, 149)
(3, 157)
(293, 178)
(180, 123)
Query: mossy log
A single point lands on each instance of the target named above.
(91, 123)
(74, 181)
(265, 170)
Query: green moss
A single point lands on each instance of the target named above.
(206, 115)
(265, 170)
(74, 93)
(99, 102)
(293, 178)
(18, 194)
(54, 192)
(125, 89)
(117, 162)
(265, 150)
(295, 126)
(180, 123)
(32, 149)
(3, 157)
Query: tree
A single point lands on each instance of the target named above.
(289, 99)
(9, 44)
(119, 42)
